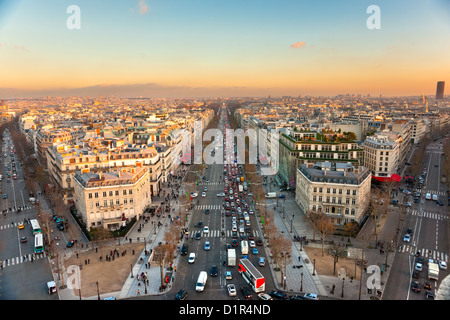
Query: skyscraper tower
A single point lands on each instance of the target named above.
(440, 90)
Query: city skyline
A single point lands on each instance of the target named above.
(131, 48)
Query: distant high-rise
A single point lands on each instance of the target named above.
(440, 90)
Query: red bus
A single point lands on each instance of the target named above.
(252, 275)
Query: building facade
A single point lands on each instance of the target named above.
(110, 199)
(340, 190)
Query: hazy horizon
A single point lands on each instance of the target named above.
(131, 48)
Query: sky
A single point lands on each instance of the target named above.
(186, 48)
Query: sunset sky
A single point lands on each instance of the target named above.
(226, 48)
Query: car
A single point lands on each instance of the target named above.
(203, 194)
(407, 238)
(262, 261)
(20, 225)
(23, 239)
(5, 196)
(264, 296)
(181, 295)
(278, 295)
(420, 260)
(442, 265)
(429, 294)
(207, 246)
(214, 271)
(251, 244)
(427, 285)
(194, 195)
(255, 250)
(191, 258)
(198, 235)
(259, 242)
(246, 292)
(297, 297)
(415, 287)
(415, 275)
(207, 211)
(205, 189)
(409, 204)
(221, 194)
(70, 244)
(234, 243)
(184, 250)
(409, 231)
(311, 296)
(231, 290)
(440, 203)
(419, 266)
(281, 196)
(206, 230)
(228, 275)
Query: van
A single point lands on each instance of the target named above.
(244, 247)
(201, 281)
(428, 196)
(435, 197)
(51, 287)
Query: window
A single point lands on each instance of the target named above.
(97, 204)
(117, 192)
(124, 192)
(130, 191)
(315, 189)
(353, 201)
(117, 201)
(353, 212)
(111, 202)
(90, 195)
(348, 192)
(131, 200)
(104, 194)
(354, 192)
(110, 193)
(105, 203)
(96, 195)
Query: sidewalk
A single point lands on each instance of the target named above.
(295, 220)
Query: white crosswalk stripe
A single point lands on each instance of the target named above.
(212, 183)
(208, 206)
(431, 254)
(430, 215)
(17, 260)
(217, 233)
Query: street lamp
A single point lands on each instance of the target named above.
(98, 292)
(343, 281)
(314, 270)
(301, 282)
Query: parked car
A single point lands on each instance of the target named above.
(264, 296)
(311, 296)
(181, 295)
(278, 295)
(246, 292)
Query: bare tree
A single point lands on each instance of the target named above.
(281, 252)
(325, 227)
(337, 252)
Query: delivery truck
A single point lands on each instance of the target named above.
(271, 195)
(231, 257)
(433, 271)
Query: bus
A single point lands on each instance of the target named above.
(35, 226)
(252, 275)
(38, 243)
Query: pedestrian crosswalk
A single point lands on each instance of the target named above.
(22, 208)
(25, 258)
(9, 225)
(217, 233)
(208, 206)
(430, 215)
(431, 254)
(439, 193)
(211, 183)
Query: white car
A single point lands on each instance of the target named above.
(311, 296)
(206, 230)
(252, 244)
(203, 194)
(231, 290)
(194, 195)
(407, 237)
(418, 266)
(442, 265)
(221, 194)
(191, 258)
(264, 296)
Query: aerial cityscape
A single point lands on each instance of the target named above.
(224, 151)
